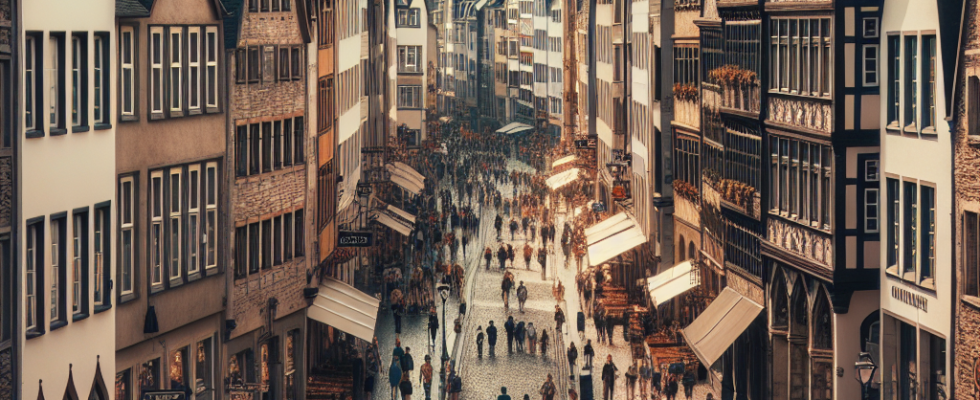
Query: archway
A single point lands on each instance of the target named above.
(799, 329)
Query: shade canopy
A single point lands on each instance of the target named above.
(564, 160)
(563, 178)
(672, 282)
(343, 307)
(514, 128)
(401, 213)
(720, 324)
(612, 237)
(397, 219)
(406, 177)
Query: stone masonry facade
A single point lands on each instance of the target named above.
(966, 369)
(266, 195)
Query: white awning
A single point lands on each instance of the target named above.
(401, 213)
(720, 324)
(406, 177)
(514, 128)
(346, 308)
(564, 160)
(395, 223)
(672, 282)
(561, 179)
(613, 237)
(445, 118)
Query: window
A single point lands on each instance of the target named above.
(284, 63)
(894, 227)
(241, 66)
(204, 370)
(156, 71)
(800, 181)
(871, 210)
(241, 368)
(193, 219)
(194, 68)
(268, 63)
(211, 215)
(253, 248)
(266, 250)
(870, 27)
(59, 274)
(127, 65)
(241, 151)
(79, 264)
(927, 255)
(267, 147)
(179, 371)
(928, 118)
(176, 206)
(686, 65)
(287, 229)
(870, 65)
(127, 206)
(255, 145)
(149, 376)
(32, 82)
(298, 236)
(156, 230)
(211, 67)
(100, 77)
(801, 56)
(410, 96)
(911, 82)
(241, 251)
(56, 84)
(971, 256)
(298, 140)
(910, 218)
(277, 240)
(296, 63)
(287, 144)
(292, 346)
(687, 152)
(895, 78)
(408, 58)
(973, 106)
(254, 65)
(79, 80)
(34, 275)
(101, 281)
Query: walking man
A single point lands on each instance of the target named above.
(588, 352)
(632, 373)
(455, 387)
(509, 327)
(608, 378)
(532, 338)
(425, 376)
(559, 318)
(572, 357)
(407, 362)
(503, 394)
(543, 260)
(548, 389)
(479, 342)
(521, 296)
(492, 338)
(528, 252)
(488, 255)
(433, 327)
(394, 377)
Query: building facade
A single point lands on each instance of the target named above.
(68, 141)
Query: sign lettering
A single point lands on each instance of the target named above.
(355, 239)
(912, 299)
(165, 395)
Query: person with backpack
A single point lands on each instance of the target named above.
(532, 338)
(589, 353)
(519, 334)
(479, 341)
(521, 296)
(455, 387)
(559, 318)
(394, 377)
(572, 357)
(548, 389)
(492, 338)
(407, 362)
(488, 255)
(510, 327)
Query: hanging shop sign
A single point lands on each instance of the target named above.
(590, 142)
(355, 239)
(164, 395)
(363, 189)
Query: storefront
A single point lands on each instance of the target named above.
(267, 363)
(185, 360)
(914, 361)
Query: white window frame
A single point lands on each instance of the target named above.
(194, 219)
(194, 68)
(864, 65)
(156, 229)
(30, 84)
(877, 207)
(76, 264)
(128, 108)
(126, 224)
(54, 82)
(30, 278)
(55, 276)
(156, 68)
(77, 70)
(877, 32)
(211, 65)
(98, 269)
(175, 53)
(98, 82)
(210, 197)
(175, 220)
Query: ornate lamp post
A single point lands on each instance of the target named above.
(444, 293)
(864, 372)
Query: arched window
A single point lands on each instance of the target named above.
(778, 303)
(823, 323)
(800, 312)
(799, 356)
(691, 250)
(680, 249)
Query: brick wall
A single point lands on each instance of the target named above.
(284, 282)
(6, 375)
(262, 196)
(967, 353)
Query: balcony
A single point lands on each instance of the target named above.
(739, 86)
(686, 108)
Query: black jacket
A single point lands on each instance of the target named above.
(608, 372)
(509, 326)
(492, 335)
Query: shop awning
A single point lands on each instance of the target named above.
(564, 160)
(563, 178)
(672, 282)
(720, 324)
(406, 177)
(613, 237)
(346, 308)
(445, 118)
(514, 128)
(401, 213)
(392, 221)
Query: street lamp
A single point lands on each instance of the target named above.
(864, 372)
(444, 293)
